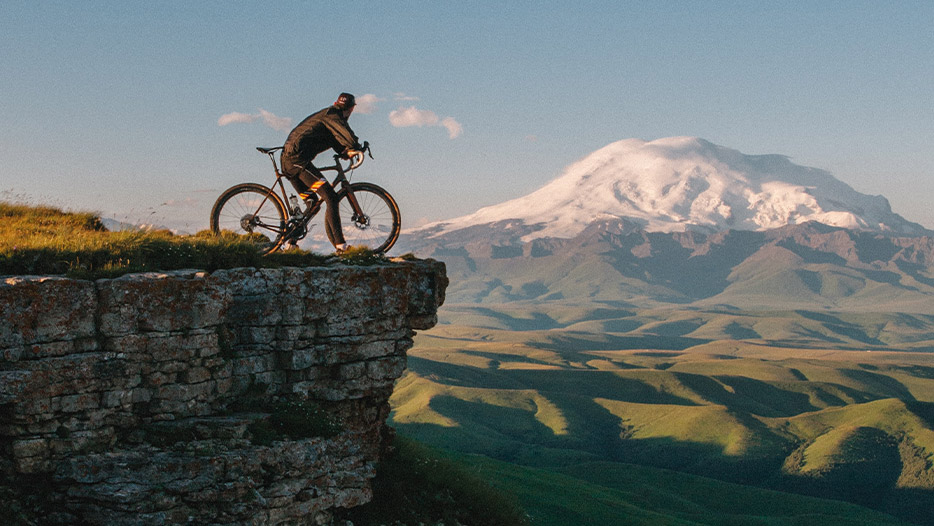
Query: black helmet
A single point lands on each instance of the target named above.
(345, 101)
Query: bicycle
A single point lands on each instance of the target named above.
(369, 215)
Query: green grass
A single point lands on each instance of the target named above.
(608, 493)
(419, 485)
(45, 240)
(832, 420)
(701, 500)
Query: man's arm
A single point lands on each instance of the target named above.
(343, 134)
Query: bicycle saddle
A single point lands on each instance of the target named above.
(268, 150)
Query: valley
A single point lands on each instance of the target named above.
(831, 405)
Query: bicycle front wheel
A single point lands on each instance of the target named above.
(251, 210)
(377, 226)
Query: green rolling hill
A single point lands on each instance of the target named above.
(573, 386)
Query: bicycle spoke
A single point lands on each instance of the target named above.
(250, 210)
(377, 228)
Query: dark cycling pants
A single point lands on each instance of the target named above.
(306, 177)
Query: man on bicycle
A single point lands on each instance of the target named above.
(326, 129)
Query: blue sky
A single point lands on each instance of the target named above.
(116, 106)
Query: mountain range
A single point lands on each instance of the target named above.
(683, 221)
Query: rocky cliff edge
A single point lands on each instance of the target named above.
(244, 396)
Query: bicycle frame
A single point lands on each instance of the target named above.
(340, 178)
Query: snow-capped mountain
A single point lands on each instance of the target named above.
(684, 183)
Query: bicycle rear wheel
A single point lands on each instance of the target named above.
(252, 210)
(378, 228)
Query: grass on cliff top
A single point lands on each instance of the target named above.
(45, 240)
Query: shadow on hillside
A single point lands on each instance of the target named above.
(566, 341)
(537, 322)
(748, 395)
(811, 255)
(918, 371)
(496, 359)
(461, 376)
(740, 394)
(915, 271)
(838, 326)
(678, 266)
(923, 410)
(512, 435)
(736, 331)
(882, 385)
(588, 383)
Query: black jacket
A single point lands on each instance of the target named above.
(322, 130)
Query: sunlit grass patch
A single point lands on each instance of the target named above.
(357, 255)
(45, 240)
(419, 400)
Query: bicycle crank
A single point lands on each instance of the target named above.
(296, 230)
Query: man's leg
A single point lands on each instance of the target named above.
(293, 173)
(316, 182)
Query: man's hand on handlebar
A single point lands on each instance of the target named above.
(351, 152)
(356, 158)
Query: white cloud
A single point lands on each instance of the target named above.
(269, 119)
(275, 122)
(230, 118)
(412, 116)
(454, 128)
(403, 97)
(366, 104)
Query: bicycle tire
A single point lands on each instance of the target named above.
(379, 229)
(251, 209)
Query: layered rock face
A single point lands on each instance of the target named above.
(245, 396)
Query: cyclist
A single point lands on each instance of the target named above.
(326, 129)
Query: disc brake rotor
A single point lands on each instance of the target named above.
(362, 222)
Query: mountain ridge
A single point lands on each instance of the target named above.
(810, 265)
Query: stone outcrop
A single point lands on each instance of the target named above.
(244, 396)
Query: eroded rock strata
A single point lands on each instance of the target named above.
(243, 396)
